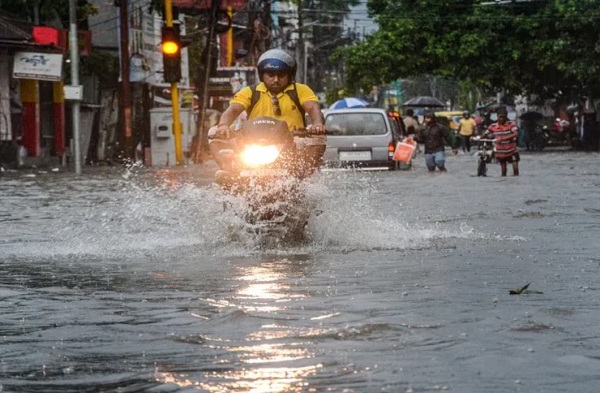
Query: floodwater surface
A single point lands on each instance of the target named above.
(139, 281)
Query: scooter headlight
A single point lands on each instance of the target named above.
(259, 155)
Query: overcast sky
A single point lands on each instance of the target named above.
(358, 19)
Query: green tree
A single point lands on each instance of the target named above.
(49, 11)
(547, 48)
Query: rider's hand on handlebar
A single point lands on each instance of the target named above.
(316, 129)
(221, 131)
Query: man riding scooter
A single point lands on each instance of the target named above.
(276, 96)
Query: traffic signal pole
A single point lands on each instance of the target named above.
(174, 95)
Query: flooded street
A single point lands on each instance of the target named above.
(138, 281)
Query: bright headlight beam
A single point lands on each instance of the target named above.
(259, 155)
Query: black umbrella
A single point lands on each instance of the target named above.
(572, 108)
(485, 107)
(425, 101)
(531, 116)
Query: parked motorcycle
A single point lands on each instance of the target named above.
(486, 149)
(268, 174)
(558, 133)
(536, 137)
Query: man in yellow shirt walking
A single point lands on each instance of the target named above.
(466, 129)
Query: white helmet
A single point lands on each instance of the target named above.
(277, 60)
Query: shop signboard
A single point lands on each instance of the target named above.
(37, 65)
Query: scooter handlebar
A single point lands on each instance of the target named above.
(305, 133)
(484, 140)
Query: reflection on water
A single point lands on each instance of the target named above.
(271, 358)
(266, 290)
(263, 380)
(263, 286)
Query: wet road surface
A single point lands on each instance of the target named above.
(137, 281)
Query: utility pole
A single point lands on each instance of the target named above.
(300, 46)
(201, 132)
(126, 136)
(75, 88)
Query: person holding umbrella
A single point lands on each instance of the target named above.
(505, 134)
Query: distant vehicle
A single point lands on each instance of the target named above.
(451, 118)
(361, 137)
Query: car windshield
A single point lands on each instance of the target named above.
(355, 124)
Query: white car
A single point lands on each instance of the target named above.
(361, 137)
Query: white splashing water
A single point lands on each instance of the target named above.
(141, 219)
(354, 218)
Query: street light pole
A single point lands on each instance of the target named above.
(301, 46)
(201, 131)
(125, 93)
(75, 108)
(305, 60)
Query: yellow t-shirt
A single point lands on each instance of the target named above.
(467, 126)
(289, 113)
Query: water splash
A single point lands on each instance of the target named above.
(137, 214)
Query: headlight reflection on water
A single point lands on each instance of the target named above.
(264, 380)
(264, 292)
(262, 362)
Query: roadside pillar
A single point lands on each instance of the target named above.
(30, 98)
(58, 107)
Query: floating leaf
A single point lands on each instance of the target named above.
(519, 291)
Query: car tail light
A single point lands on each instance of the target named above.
(391, 148)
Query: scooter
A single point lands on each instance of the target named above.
(557, 134)
(486, 149)
(268, 173)
(537, 137)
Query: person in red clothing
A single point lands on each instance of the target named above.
(505, 133)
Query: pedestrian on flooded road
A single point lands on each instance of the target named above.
(466, 129)
(433, 135)
(505, 133)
